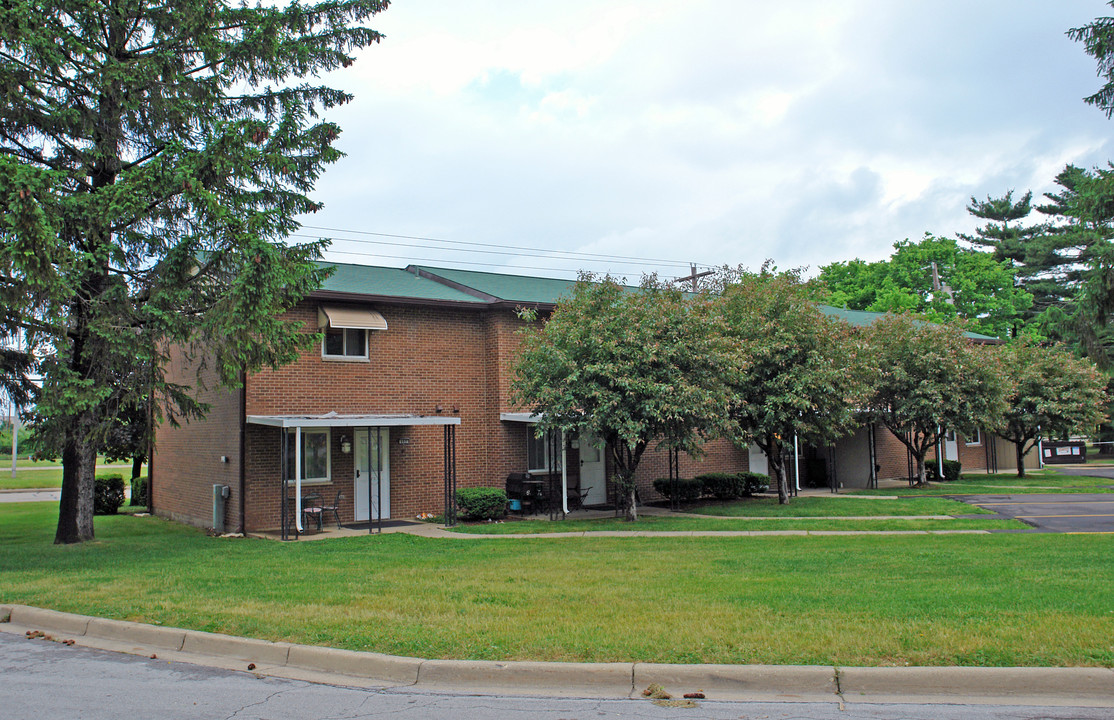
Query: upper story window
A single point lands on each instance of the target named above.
(346, 330)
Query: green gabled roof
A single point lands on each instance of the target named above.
(507, 288)
(390, 282)
(865, 318)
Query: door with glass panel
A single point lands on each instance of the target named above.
(373, 473)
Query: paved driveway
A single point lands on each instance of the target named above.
(1066, 513)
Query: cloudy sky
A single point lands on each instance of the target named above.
(546, 136)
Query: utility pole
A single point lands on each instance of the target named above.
(694, 277)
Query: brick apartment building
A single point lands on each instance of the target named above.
(411, 384)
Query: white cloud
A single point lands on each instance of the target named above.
(713, 130)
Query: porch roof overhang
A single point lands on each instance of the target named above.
(336, 420)
(521, 417)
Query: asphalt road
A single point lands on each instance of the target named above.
(1063, 513)
(50, 681)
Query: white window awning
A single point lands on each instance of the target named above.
(352, 318)
(335, 420)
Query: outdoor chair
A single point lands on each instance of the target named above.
(577, 496)
(334, 508)
(312, 509)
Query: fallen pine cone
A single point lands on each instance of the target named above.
(656, 692)
(251, 666)
(154, 656)
(694, 696)
(68, 642)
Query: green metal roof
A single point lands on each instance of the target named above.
(481, 288)
(390, 282)
(509, 288)
(865, 318)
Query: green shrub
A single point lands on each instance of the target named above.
(139, 492)
(722, 486)
(688, 489)
(108, 494)
(483, 503)
(952, 468)
(754, 483)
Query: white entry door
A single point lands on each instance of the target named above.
(373, 473)
(951, 447)
(592, 470)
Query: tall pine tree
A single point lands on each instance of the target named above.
(153, 157)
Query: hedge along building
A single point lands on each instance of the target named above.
(407, 396)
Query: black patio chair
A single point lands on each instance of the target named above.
(334, 508)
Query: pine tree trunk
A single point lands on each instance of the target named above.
(79, 471)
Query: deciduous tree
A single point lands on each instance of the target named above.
(803, 374)
(633, 367)
(972, 285)
(153, 157)
(929, 378)
(1053, 394)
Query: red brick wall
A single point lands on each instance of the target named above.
(186, 462)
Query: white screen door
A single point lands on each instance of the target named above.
(373, 473)
(592, 472)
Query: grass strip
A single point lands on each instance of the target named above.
(841, 506)
(1031, 599)
(657, 523)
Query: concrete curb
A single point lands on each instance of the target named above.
(1064, 687)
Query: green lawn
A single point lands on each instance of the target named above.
(764, 513)
(834, 507)
(1045, 481)
(682, 524)
(1029, 599)
(45, 474)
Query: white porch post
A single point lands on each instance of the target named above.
(298, 477)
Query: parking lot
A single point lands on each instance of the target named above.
(1065, 513)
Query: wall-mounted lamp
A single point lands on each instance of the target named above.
(345, 444)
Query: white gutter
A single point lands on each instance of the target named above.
(564, 477)
(298, 477)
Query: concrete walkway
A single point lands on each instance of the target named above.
(1068, 687)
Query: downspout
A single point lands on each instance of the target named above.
(1040, 450)
(796, 464)
(940, 451)
(564, 476)
(298, 478)
(243, 450)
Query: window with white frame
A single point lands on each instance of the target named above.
(537, 451)
(975, 438)
(349, 343)
(316, 461)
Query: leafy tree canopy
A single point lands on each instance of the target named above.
(803, 374)
(1052, 394)
(972, 285)
(153, 157)
(633, 367)
(929, 378)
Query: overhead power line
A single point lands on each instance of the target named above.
(512, 250)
